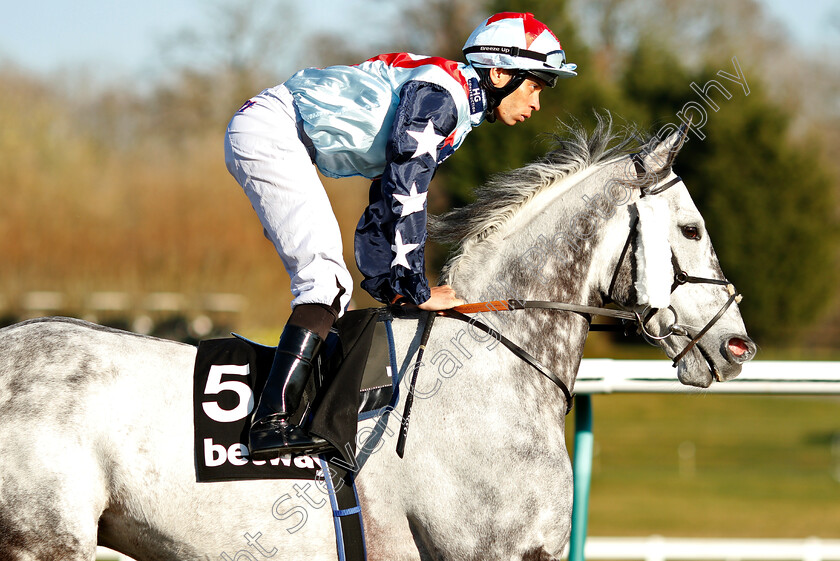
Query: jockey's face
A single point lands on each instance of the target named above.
(519, 105)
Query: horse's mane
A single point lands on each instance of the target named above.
(506, 193)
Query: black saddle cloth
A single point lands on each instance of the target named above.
(353, 379)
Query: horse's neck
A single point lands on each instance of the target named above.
(538, 257)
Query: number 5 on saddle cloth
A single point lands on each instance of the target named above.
(353, 381)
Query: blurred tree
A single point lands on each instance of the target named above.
(693, 30)
(241, 48)
(654, 82)
(765, 197)
(440, 27)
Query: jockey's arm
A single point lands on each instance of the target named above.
(391, 236)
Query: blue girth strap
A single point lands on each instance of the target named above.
(347, 514)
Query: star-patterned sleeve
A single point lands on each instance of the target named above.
(391, 235)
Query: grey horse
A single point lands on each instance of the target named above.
(96, 436)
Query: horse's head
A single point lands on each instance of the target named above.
(672, 277)
(589, 223)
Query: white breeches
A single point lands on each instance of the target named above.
(265, 154)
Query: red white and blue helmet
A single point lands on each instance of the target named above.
(518, 41)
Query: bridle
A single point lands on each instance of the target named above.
(680, 278)
(640, 319)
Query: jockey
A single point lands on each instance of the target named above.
(393, 118)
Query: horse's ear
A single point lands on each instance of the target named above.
(662, 155)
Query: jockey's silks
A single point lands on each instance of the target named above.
(394, 119)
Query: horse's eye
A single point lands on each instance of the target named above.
(691, 232)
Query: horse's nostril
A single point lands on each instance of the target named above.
(737, 347)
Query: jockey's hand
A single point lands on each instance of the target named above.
(443, 298)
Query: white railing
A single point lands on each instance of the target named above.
(657, 548)
(604, 375)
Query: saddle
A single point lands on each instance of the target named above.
(355, 378)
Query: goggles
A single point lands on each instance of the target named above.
(555, 59)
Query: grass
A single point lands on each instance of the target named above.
(762, 466)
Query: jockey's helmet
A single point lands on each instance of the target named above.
(520, 43)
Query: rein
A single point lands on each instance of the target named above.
(681, 278)
(454, 313)
(409, 400)
(459, 313)
(507, 305)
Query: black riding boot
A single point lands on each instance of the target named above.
(271, 432)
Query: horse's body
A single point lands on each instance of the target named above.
(96, 427)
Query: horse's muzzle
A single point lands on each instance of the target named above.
(738, 349)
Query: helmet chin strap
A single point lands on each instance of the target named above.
(495, 94)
